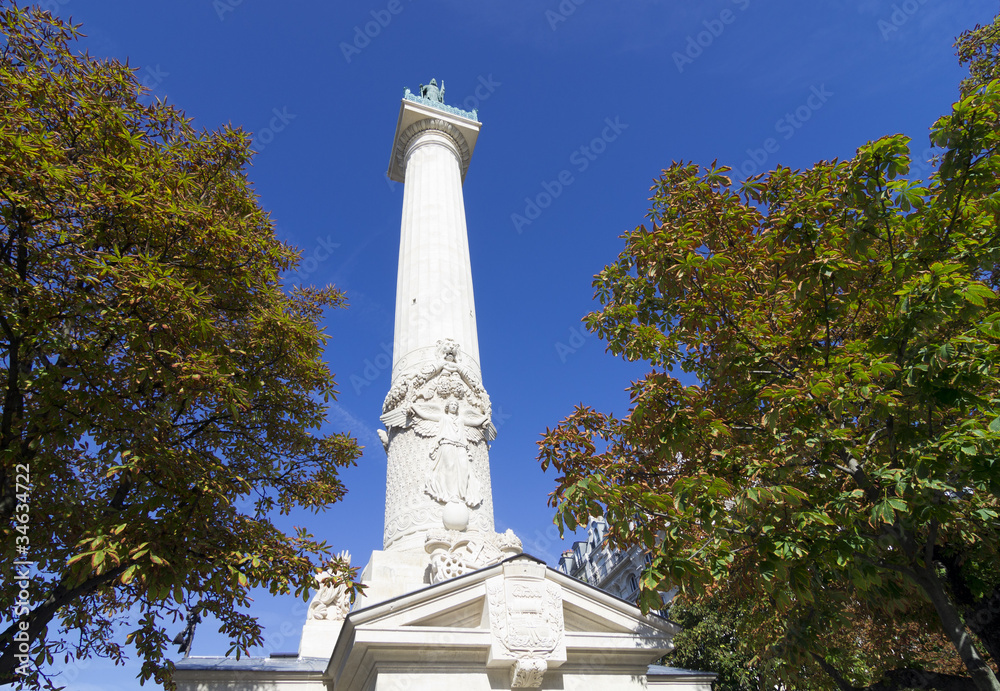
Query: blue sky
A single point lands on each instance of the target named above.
(601, 96)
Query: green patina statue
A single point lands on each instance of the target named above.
(432, 92)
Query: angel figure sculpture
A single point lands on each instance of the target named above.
(451, 478)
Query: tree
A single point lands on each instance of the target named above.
(161, 393)
(711, 641)
(837, 460)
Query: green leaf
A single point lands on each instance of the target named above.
(978, 294)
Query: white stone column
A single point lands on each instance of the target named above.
(437, 413)
(434, 298)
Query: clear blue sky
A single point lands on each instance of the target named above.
(320, 84)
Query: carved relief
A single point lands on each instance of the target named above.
(445, 378)
(445, 403)
(408, 508)
(455, 554)
(526, 621)
(332, 601)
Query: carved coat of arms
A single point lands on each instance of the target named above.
(526, 620)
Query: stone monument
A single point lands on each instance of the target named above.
(449, 603)
(437, 414)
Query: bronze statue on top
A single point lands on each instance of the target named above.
(432, 92)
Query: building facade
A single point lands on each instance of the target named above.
(616, 572)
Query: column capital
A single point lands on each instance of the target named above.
(415, 118)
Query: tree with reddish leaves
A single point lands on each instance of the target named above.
(838, 461)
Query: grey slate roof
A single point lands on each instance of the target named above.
(661, 671)
(254, 664)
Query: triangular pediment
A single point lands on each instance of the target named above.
(461, 603)
(511, 617)
(582, 620)
(465, 615)
(589, 610)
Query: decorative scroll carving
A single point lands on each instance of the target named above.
(527, 673)
(332, 602)
(455, 553)
(444, 402)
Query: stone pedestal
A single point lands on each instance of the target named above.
(391, 574)
(319, 638)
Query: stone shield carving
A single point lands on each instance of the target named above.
(526, 622)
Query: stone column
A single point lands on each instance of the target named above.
(437, 413)
(434, 299)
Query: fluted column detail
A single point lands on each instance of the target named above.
(434, 296)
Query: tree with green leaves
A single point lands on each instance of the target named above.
(838, 459)
(710, 640)
(161, 394)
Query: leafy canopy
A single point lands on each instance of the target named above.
(161, 393)
(839, 453)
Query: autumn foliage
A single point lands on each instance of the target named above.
(838, 459)
(162, 395)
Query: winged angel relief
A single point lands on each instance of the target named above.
(444, 402)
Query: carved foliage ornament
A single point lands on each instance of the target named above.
(455, 554)
(332, 601)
